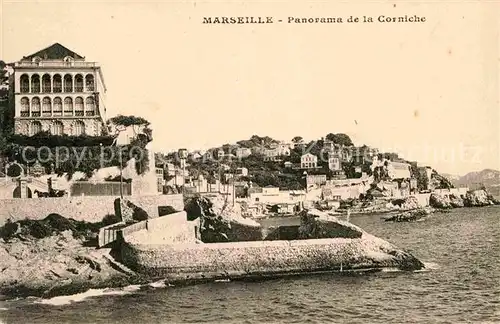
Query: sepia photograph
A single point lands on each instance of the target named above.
(166, 161)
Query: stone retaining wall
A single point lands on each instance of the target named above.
(90, 209)
(169, 229)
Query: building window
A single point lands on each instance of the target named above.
(79, 106)
(79, 128)
(78, 83)
(68, 60)
(25, 107)
(89, 82)
(46, 107)
(89, 106)
(46, 83)
(68, 83)
(36, 127)
(58, 107)
(25, 83)
(68, 106)
(35, 107)
(57, 128)
(35, 83)
(57, 83)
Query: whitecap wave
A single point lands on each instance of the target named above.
(429, 266)
(66, 300)
(158, 284)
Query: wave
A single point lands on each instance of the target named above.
(429, 266)
(66, 300)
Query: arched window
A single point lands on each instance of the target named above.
(89, 106)
(89, 82)
(58, 107)
(25, 107)
(78, 106)
(78, 83)
(35, 107)
(68, 83)
(25, 83)
(57, 83)
(36, 127)
(46, 83)
(57, 128)
(79, 128)
(46, 107)
(35, 83)
(68, 106)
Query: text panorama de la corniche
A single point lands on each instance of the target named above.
(312, 20)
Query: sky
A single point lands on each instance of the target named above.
(429, 91)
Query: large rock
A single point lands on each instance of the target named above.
(409, 216)
(456, 201)
(315, 224)
(440, 201)
(407, 203)
(221, 221)
(478, 198)
(129, 212)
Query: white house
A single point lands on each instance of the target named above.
(308, 161)
(398, 170)
(242, 152)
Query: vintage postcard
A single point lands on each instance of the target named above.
(166, 161)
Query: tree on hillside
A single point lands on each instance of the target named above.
(138, 124)
(6, 113)
(340, 138)
(297, 140)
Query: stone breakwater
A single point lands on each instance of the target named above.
(241, 260)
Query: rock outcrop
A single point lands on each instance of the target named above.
(221, 221)
(439, 201)
(407, 203)
(456, 201)
(315, 224)
(53, 257)
(410, 216)
(479, 198)
(128, 212)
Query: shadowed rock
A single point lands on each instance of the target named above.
(315, 224)
(128, 212)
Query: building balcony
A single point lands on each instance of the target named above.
(57, 64)
(35, 114)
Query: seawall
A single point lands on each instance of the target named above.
(189, 262)
(89, 209)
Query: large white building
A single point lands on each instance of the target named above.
(57, 90)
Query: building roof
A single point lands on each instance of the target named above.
(54, 52)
